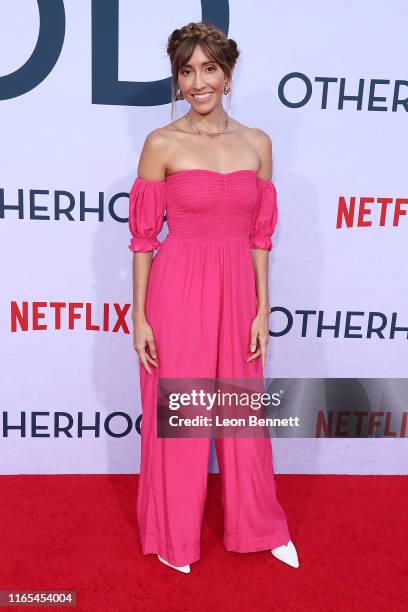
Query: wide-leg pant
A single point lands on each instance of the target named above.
(207, 341)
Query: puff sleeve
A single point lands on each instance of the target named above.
(147, 203)
(265, 215)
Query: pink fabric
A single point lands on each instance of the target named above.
(200, 302)
(247, 211)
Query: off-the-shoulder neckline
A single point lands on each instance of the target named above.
(197, 170)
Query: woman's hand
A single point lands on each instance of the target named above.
(260, 332)
(142, 335)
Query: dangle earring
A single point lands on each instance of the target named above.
(179, 95)
(227, 87)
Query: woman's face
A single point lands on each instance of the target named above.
(201, 76)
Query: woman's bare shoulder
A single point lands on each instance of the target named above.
(154, 156)
(157, 138)
(260, 137)
(160, 147)
(248, 130)
(163, 138)
(262, 143)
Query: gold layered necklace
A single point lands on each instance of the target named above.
(199, 131)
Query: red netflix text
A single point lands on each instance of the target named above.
(38, 316)
(353, 423)
(367, 211)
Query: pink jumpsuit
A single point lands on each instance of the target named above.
(200, 302)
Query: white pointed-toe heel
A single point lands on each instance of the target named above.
(286, 553)
(181, 568)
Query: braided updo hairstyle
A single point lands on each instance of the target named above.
(213, 42)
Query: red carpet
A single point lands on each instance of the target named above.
(80, 533)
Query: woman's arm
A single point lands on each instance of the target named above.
(151, 167)
(260, 258)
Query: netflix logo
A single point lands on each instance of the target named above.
(355, 424)
(86, 316)
(369, 211)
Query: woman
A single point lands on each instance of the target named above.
(201, 306)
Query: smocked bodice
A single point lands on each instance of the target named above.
(203, 205)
